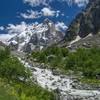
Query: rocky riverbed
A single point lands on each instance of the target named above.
(63, 85)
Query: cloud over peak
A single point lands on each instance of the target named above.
(30, 14)
(46, 8)
(46, 2)
(37, 2)
(81, 2)
(48, 12)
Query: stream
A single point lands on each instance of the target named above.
(61, 83)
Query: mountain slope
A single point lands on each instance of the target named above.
(86, 22)
(36, 37)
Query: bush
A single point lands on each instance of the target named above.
(14, 85)
(11, 68)
(86, 61)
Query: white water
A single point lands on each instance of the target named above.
(46, 79)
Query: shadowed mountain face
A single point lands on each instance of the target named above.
(86, 22)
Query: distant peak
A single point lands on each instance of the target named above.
(47, 21)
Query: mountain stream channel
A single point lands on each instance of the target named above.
(62, 84)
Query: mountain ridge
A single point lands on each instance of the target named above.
(37, 37)
(85, 22)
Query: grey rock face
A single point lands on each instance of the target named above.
(36, 37)
(86, 22)
(86, 42)
(46, 38)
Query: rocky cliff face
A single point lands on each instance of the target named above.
(88, 21)
(36, 37)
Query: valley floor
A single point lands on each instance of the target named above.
(62, 84)
(45, 82)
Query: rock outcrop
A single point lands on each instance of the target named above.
(86, 22)
(37, 37)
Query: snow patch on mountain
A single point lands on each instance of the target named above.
(5, 37)
(36, 36)
(77, 39)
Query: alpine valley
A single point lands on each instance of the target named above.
(50, 61)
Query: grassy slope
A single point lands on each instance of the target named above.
(4, 95)
(23, 91)
(11, 87)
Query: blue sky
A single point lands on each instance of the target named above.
(30, 11)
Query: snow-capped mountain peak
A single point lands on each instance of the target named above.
(36, 37)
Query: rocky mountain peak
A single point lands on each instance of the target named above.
(50, 25)
(36, 37)
(47, 21)
(84, 30)
(86, 22)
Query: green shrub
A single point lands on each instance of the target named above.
(16, 84)
(86, 61)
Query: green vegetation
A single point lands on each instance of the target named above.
(11, 68)
(85, 61)
(23, 91)
(15, 82)
(90, 81)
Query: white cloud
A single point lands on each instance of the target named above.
(37, 2)
(5, 37)
(1, 28)
(13, 29)
(61, 26)
(81, 3)
(48, 12)
(57, 13)
(46, 2)
(31, 14)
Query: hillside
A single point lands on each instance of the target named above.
(15, 82)
(86, 22)
(42, 63)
